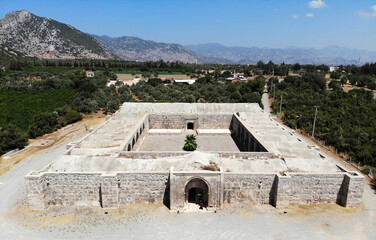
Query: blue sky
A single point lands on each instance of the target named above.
(260, 23)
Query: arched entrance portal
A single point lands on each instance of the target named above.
(197, 191)
(190, 126)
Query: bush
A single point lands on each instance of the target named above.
(71, 116)
(155, 81)
(190, 143)
(11, 137)
(42, 124)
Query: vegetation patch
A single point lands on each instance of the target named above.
(190, 143)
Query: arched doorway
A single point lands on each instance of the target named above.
(190, 126)
(197, 191)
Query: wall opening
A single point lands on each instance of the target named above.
(190, 126)
(197, 191)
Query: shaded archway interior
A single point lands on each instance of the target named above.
(197, 191)
(190, 126)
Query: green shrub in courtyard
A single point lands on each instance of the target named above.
(190, 143)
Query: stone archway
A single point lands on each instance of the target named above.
(197, 191)
(190, 126)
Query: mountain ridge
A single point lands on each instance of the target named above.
(332, 55)
(138, 49)
(42, 37)
(46, 38)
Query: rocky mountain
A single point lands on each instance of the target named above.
(244, 55)
(7, 54)
(137, 49)
(46, 38)
(347, 53)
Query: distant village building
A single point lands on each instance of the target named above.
(136, 80)
(187, 81)
(89, 74)
(240, 77)
(333, 69)
(111, 82)
(3, 69)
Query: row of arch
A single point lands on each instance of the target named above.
(135, 138)
(247, 141)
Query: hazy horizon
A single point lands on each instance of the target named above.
(268, 24)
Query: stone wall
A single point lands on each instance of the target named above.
(112, 189)
(244, 138)
(243, 155)
(208, 121)
(249, 188)
(154, 155)
(94, 189)
(344, 188)
(142, 187)
(63, 189)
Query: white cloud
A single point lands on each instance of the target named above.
(309, 15)
(317, 4)
(368, 14)
(295, 16)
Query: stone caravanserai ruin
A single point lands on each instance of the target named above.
(243, 155)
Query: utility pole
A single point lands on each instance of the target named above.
(280, 104)
(314, 122)
(274, 91)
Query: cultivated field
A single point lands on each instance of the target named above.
(125, 77)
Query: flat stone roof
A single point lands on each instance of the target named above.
(101, 150)
(189, 108)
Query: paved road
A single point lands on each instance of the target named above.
(265, 102)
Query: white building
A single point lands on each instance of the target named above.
(188, 81)
(89, 74)
(333, 68)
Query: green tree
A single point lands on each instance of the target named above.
(11, 137)
(42, 124)
(190, 98)
(335, 85)
(71, 116)
(335, 75)
(155, 81)
(190, 142)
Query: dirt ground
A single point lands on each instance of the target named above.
(154, 221)
(175, 142)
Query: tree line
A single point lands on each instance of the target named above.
(345, 120)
